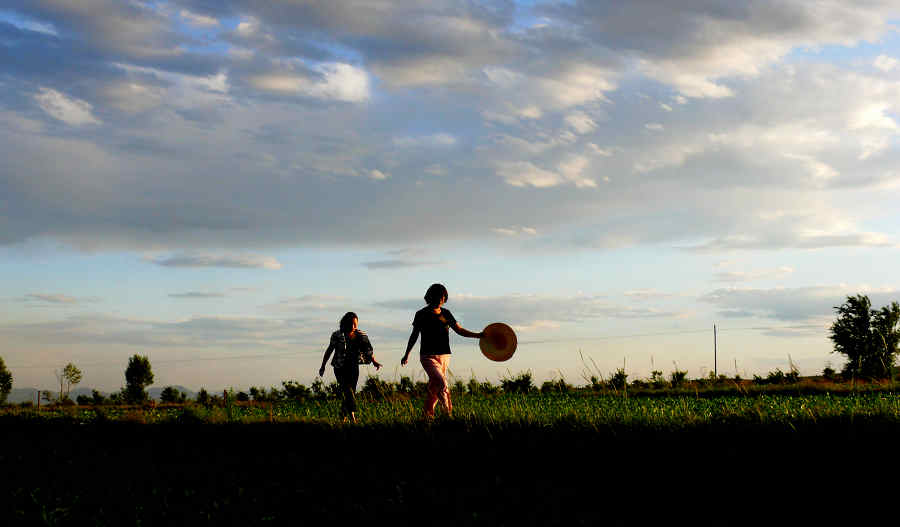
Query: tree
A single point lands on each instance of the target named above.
(170, 394)
(867, 337)
(6, 381)
(138, 375)
(70, 376)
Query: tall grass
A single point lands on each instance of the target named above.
(532, 409)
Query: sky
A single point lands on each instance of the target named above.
(213, 184)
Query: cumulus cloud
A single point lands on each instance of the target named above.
(334, 81)
(885, 62)
(377, 175)
(581, 123)
(69, 110)
(238, 261)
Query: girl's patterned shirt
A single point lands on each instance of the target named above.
(351, 351)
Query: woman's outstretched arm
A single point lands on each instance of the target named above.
(413, 337)
(463, 332)
(325, 358)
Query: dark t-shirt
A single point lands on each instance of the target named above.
(435, 330)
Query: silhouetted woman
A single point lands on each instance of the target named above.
(351, 348)
(434, 324)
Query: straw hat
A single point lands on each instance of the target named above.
(499, 342)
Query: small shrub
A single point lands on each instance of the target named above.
(295, 391)
(829, 374)
(558, 386)
(619, 379)
(406, 386)
(776, 377)
(677, 378)
(317, 388)
(657, 380)
(376, 388)
(519, 384)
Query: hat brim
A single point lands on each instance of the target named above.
(498, 342)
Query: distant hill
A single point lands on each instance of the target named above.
(21, 395)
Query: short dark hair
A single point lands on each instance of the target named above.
(346, 323)
(435, 293)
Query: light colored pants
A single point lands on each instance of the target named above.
(438, 389)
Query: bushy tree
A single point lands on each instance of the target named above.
(6, 381)
(138, 375)
(295, 391)
(170, 394)
(866, 336)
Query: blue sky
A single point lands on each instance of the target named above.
(215, 184)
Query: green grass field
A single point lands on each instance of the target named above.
(576, 457)
(577, 408)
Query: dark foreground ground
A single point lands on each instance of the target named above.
(308, 474)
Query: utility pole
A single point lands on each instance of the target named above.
(715, 353)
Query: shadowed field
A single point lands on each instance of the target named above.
(62, 469)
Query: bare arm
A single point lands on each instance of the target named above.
(413, 337)
(463, 332)
(325, 358)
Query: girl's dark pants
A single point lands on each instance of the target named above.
(347, 377)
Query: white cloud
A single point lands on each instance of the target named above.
(747, 276)
(71, 111)
(523, 173)
(515, 231)
(239, 261)
(134, 97)
(665, 107)
(248, 27)
(885, 63)
(178, 90)
(336, 81)
(433, 140)
(656, 127)
(605, 152)
(581, 123)
(378, 175)
(198, 20)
